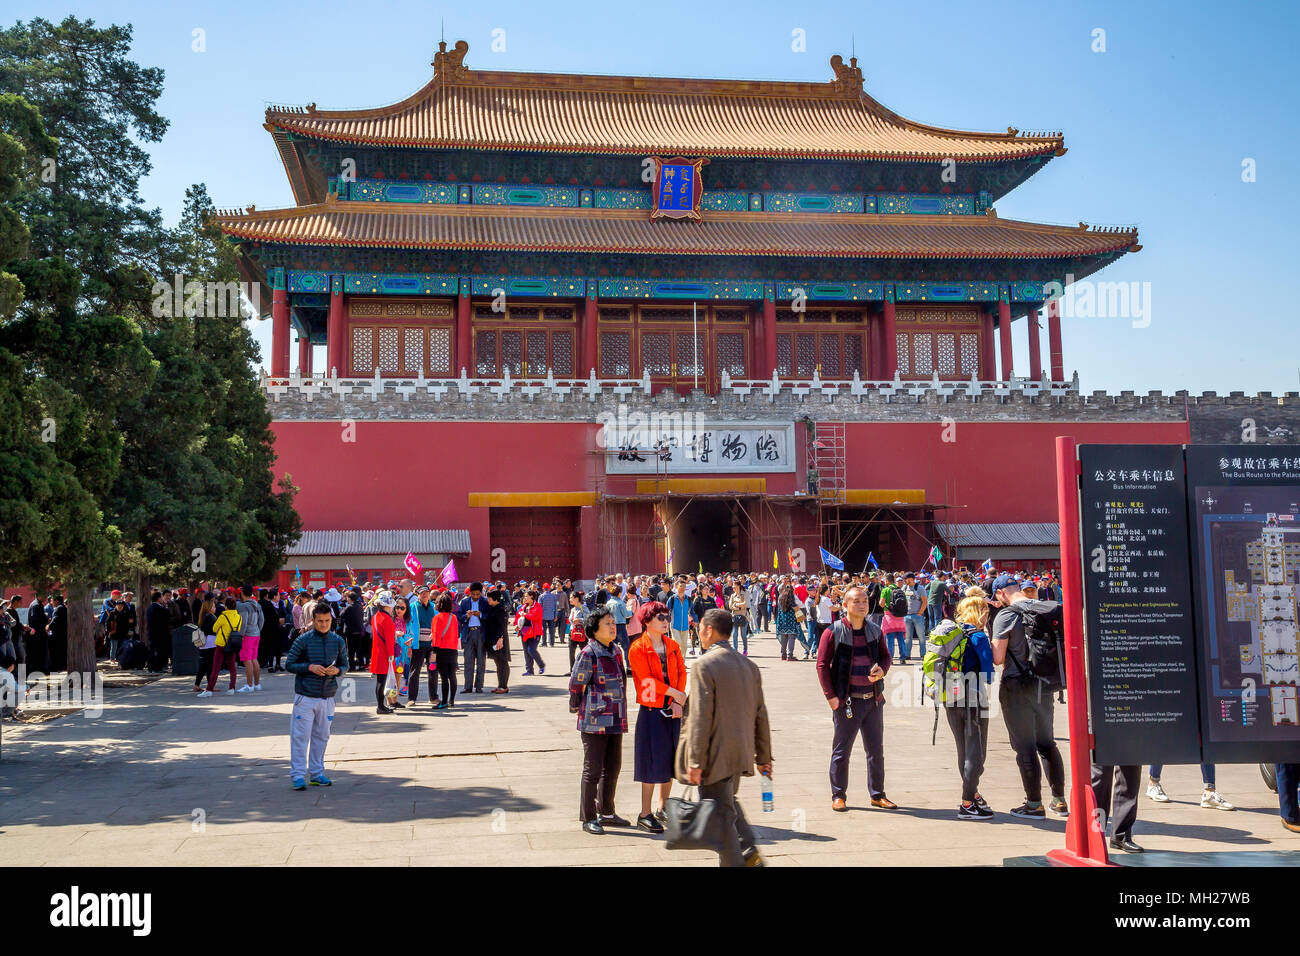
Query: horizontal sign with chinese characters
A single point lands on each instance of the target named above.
(712, 447)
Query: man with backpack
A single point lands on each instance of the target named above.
(852, 661)
(1027, 642)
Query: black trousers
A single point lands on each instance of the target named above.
(205, 664)
(867, 722)
(160, 654)
(421, 657)
(356, 651)
(1125, 786)
(971, 732)
(501, 659)
(738, 838)
(379, 689)
(446, 660)
(602, 759)
(1028, 716)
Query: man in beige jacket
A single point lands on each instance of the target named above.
(725, 734)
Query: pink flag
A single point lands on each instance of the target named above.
(413, 565)
(448, 575)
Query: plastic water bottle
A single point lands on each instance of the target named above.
(768, 804)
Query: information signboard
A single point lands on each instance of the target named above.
(1138, 605)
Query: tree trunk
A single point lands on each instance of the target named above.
(81, 630)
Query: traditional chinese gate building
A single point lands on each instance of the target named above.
(791, 288)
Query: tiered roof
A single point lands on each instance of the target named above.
(467, 110)
(530, 229)
(566, 112)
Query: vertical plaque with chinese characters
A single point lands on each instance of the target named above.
(677, 188)
(1139, 627)
(1245, 508)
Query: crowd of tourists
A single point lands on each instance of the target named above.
(682, 641)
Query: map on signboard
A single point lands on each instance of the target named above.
(1251, 562)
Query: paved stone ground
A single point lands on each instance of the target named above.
(163, 778)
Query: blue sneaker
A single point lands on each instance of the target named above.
(322, 781)
(299, 783)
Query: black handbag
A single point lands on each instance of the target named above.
(693, 825)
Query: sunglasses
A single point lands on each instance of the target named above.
(661, 616)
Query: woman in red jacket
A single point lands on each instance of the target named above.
(528, 620)
(659, 676)
(382, 646)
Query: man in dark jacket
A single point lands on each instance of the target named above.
(158, 631)
(268, 648)
(352, 626)
(316, 660)
(497, 639)
(38, 638)
(59, 635)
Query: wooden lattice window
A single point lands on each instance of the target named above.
(440, 351)
(363, 350)
(389, 360)
(946, 353)
(656, 353)
(970, 353)
(562, 352)
(731, 354)
(615, 354)
(413, 349)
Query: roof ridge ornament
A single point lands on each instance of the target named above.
(450, 67)
(848, 79)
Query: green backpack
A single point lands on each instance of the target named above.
(941, 666)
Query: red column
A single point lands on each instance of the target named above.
(1004, 335)
(769, 337)
(988, 361)
(304, 356)
(589, 340)
(1035, 357)
(889, 333)
(334, 352)
(758, 344)
(1054, 340)
(464, 342)
(279, 333)
(1085, 843)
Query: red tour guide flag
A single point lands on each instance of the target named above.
(413, 565)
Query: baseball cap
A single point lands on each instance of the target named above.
(385, 599)
(1007, 582)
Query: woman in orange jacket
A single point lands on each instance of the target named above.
(659, 676)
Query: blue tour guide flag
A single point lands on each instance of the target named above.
(987, 565)
(830, 561)
(871, 560)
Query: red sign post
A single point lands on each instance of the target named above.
(1085, 837)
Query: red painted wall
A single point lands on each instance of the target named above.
(1000, 471)
(420, 474)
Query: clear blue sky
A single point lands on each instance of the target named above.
(1157, 125)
